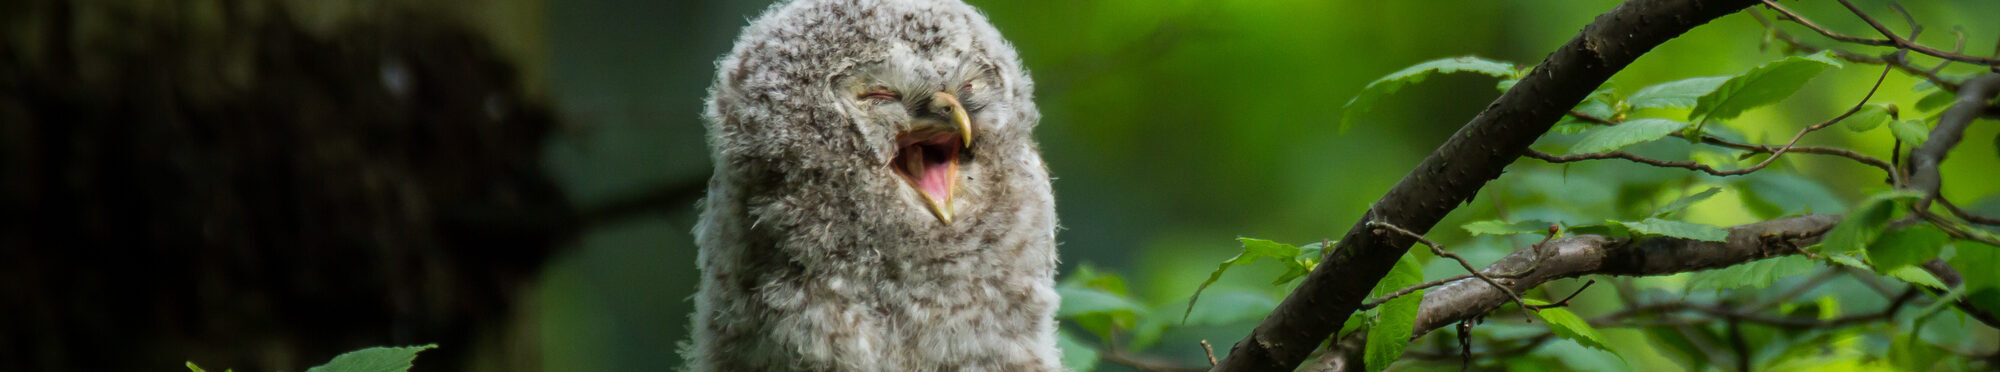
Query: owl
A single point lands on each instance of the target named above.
(878, 203)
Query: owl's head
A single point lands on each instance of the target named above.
(883, 106)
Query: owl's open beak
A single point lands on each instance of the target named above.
(928, 157)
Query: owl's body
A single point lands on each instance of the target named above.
(878, 203)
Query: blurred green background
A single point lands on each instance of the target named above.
(1172, 128)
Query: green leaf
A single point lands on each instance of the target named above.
(1227, 307)
(194, 368)
(1392, 330)
(1909, 246)
(1976, 262)
(1866, 222)
(1677, 229)
(1502, 228)
(1687, 201)
(1760, 86)
(1080, 301)
(1567, 325)
(1936, 101)
(1770, 195)
(1387, 85)
(1917, 275)
(1407, 272)
(1627, 133)
(1254, 249)
(1076, 356)
(1307, 259)
(1869, 117)
(1911, 132)
(1753, 274)
(1354, 321)
(374, 359)
(1675, 94)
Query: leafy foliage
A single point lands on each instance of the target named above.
(1861, 227)
(1298, 261)
(374, 359)
(1686, 201)
(1391, 333)
(1677, 229)
(1907, 246)
(1870, 117)
(1626, 134)
(1567, 325)
(1754, 274)
(1396, 319)
(1676, 94)
(1763, 85)
(1361, 103)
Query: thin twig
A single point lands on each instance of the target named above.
(1907, 44)
(1968, 216)
(1373, 302)
(1775, 152)
(1896, 59)
(1440, 252)
(1572, 295)
(1210, 350)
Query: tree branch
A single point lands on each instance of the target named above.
(1924, 160)
(1454, 173)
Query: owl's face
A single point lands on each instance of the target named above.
(927, 110)
(902, 107)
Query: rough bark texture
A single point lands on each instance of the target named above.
(1582, 255)
(1453, 174)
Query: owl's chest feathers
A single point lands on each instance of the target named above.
(889, 314)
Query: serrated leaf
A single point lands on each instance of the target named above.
(1687, 201)
(1364, 101)
(1869, 117)
(1677, 229)
(1917, 275)
(1913, 133)
(1762, 85)
(1866, 222)
(1567, 325)
(374, 359)
(1626, 133)
(1392, 330)
(1502, 228)
(1675, 94)
(1908, 246)
(1753, 274)
(1076, 356)
(1253, 249)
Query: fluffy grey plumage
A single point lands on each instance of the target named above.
(849, 226)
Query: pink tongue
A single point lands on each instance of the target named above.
(935, 180)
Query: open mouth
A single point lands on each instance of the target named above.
(928, 160)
